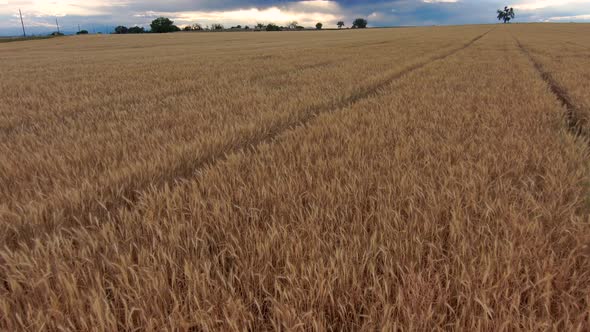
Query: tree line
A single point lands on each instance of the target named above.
(164, 25)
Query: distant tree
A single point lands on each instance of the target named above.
(260, 26)
(319, 26)
(299, 27)
(121, 29)
(506, 15)
(246, 28)
(56, 33)
(197, 27)
(163, 25)
(136, 29)
(340, 24)
(187, 28)
(272, 27)
(216, 26)
(359, 23)
(293, 25)
(82, 32)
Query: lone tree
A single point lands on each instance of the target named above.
(293, 25)
(319, 26)
(506, 15)
(121, 29)
(163, 25)
(340, 24)
(82, 32)
(359, 23)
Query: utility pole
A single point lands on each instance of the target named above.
(22, 23)
(57, 25)
(78, 27)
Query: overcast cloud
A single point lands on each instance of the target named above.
(103, 15)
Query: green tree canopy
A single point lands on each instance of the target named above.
(136, 30)
(273, 27)
(163, 25)
(359, 23)
(121, 29)
(506, 15)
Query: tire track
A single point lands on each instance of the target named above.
(574, 123)
(84, 212)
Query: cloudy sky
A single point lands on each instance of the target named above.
(103, 15)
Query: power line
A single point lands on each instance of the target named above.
(22, 23)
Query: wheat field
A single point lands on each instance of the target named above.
(413, 179)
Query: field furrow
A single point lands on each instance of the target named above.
(563, 59)
(575, 123)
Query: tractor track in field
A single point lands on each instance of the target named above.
(83, 213)
(575, 125)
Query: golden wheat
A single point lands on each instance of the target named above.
(101, 128)
(411, 179)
